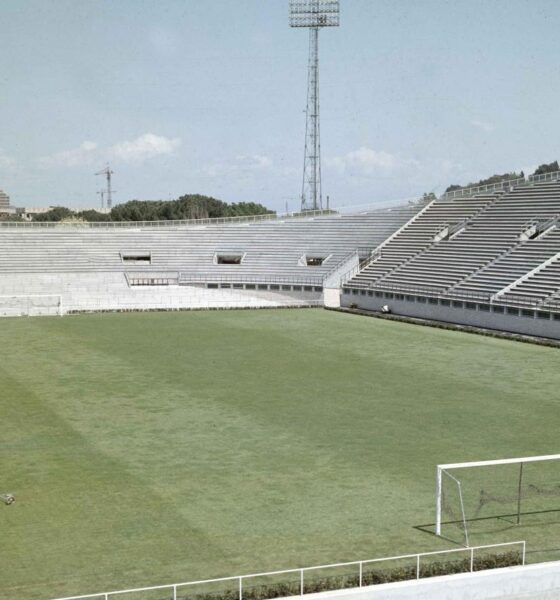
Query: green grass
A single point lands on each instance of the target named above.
(150, 448)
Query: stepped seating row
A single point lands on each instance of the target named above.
(490, 253)
(273, 248)
(508, 268)
(540, 285)
(418, 235)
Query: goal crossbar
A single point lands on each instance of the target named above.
(443, 468)
(503, 461)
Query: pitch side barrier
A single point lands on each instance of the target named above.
(241, 580)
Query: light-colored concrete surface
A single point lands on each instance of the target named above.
(535, 582)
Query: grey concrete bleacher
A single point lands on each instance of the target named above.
(98, 263)
(273, 248)
(418, 236)
(499, 241)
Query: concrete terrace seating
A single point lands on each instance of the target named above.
(485, 256)
(540, 286)
(78, 261)
(509, 267)
(418, 236)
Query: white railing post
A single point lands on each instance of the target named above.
(361, 572)
(439, 482)
(301, 570)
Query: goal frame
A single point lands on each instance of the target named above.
(440, 469)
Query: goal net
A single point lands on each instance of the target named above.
(30, 305)
(471, 496)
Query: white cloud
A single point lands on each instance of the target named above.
(89, 153)
(7, 163)
(366, 161)
(241, 164)
(144, 147)
(483, 125)
(83, 155)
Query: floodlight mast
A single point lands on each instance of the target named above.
(313, 15)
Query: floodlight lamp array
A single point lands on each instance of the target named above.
(314, 13)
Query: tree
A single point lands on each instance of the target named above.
(428, 197)
(55, 214)
(547, 168)
(12, 218)
(92, 216)
(189, 206)
(488, 181)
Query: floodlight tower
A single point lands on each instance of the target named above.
(313, 14)
(107, 172)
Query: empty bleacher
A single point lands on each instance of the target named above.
(417, 237)
(79, 260)
(502, 237)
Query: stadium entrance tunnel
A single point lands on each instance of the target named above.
(229, 259)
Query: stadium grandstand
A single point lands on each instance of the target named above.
(242, 262)
(485, 256)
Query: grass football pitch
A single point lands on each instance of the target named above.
(151, 448)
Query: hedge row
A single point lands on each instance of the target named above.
(370, 576)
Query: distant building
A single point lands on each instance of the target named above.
(27, 213)
(4, 200)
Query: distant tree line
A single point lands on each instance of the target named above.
(488, 181)
(544, 168)
(547, 168)
(190, 206)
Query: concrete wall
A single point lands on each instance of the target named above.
(533, 582)
(79, 292)
(468, 313)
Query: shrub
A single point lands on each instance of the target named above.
(370, 576)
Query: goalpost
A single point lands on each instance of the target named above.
(496, 489)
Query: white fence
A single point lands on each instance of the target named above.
(382, 206)
(505, 185)
(240, 580)
(552, 176)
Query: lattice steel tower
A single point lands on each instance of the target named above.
(109, 193)
(313, 14)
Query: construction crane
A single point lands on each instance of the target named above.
(102, 194)
(107, 172)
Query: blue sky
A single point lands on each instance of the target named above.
(207, 96)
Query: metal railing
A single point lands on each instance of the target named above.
(273, 216)
(241, 579)
(251, 279)
(552, 176)
(505, 185)
(360, 251)
(517, 300)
